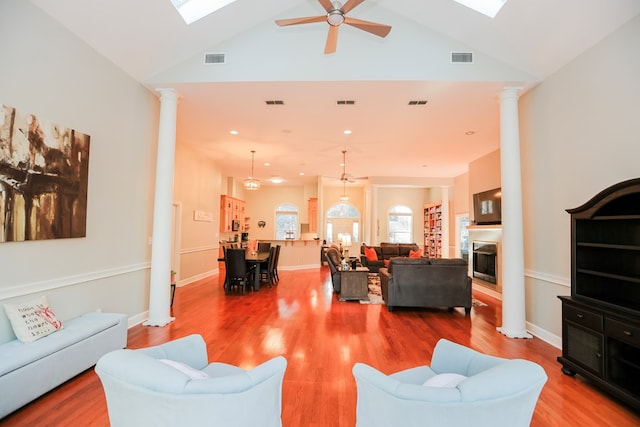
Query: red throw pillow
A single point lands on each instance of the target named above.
(371, 254)
(415, 254)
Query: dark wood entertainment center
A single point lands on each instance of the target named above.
(601, 318)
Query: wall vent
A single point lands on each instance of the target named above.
(462, 57)
(418, 102)
(215, 58)
(274, 102)
(345, 102)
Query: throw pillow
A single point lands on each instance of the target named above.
(32, 320)
(445, 380)
(415, 254)
(192, 373)
(370, 253)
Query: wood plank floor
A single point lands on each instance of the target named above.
(322, 338)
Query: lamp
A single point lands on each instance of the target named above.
(251, 183)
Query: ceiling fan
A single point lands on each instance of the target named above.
(346, 177)
(335, 17)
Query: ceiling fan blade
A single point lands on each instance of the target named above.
(332, 40)
(350, 5)
(297, 21)
(379, 30)
(326, 4)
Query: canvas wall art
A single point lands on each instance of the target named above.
(44, 169)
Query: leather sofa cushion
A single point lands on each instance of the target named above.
(448, 261)
(390, 250)
(407, 261)
(405, 248)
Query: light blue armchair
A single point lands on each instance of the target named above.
(496, 391)
(147, 387)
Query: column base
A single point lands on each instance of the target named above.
(158, 322)
(511, 334)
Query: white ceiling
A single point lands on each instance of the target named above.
(527, 42)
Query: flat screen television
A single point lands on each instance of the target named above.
(487, 207)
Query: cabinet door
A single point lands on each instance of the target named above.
(583, 347)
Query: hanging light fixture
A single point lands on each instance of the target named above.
(251, 183)
(344, 198)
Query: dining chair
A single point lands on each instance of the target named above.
(267, 271)
(237, 272)
(275, 266)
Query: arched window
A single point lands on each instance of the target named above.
(343, 224)
(400, 224)
(286, 221)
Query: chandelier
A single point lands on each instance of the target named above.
(251, 183)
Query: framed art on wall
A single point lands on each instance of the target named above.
(44, 169)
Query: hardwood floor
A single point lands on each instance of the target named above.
(322, 338)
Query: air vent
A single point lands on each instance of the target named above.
(344, 102)
(422, 102)
(215, 58)
(462, 57)
(274, 102)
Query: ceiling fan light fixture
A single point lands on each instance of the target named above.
(251, 183)
(335, 18)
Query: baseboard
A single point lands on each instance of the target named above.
(138, 319)
(545, 335)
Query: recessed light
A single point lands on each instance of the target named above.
(301, 174)
(233, 132)
(267, 164)
(277, 179)
(347, 132)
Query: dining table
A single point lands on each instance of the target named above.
(253, 260)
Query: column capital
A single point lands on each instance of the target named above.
(510, 92)
(167, 93)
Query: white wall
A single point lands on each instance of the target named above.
(578, 136)
(49, 72)
(197, 187)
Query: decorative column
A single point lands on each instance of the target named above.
(159, 290)
(513, 300)
(444, 226)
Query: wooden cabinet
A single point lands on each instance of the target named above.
(313, 214)
(602, 345)
(601, 319)
(232, 214)
(433, 230)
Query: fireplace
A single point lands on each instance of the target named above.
(485, 261)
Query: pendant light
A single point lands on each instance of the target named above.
(344, 198)
(251, 183)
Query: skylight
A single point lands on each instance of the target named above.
(486, 7)
(192, 10)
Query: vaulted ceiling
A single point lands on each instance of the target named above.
(524, 44)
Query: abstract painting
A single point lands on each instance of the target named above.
(44, 169)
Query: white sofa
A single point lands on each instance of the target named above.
(28, 370)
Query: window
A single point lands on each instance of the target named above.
(286, 222)
(400, 224)
(343, 221)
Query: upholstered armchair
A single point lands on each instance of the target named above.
(174, 385)
(461, 388)
(334, 259)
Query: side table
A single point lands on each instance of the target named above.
(354, 284)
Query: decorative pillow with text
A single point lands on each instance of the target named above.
(32, 320)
